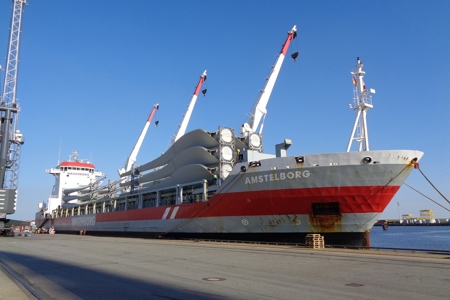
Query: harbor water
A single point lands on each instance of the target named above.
(411, 237)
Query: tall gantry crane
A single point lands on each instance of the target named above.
(11, 137)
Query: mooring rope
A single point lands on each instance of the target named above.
(418, 168)
(426, 196)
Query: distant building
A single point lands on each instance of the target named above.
(407, 217)
(427, 214)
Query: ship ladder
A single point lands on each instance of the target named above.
(47, 217)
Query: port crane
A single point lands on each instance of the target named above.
(259, 110)
(187, 115)
(11, 137)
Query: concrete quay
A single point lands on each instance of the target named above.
(87, 267)
(10, 288)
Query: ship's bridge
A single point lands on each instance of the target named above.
(72, 166)
(76, 166)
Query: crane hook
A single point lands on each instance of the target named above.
(294, 56)
(204, 92)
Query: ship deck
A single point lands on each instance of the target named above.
(86, 267)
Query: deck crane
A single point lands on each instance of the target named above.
(259, 108)
(132, 158)
(187, 115)
(126, 175)
(11, 137)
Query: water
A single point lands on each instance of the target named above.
(411, 237)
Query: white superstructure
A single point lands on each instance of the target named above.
(74, 177)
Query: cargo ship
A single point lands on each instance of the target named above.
(220, 184)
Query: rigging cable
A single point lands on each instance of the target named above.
(426, 196)
(206, 87)
(157, 117)
(294, 55)
(416, 165)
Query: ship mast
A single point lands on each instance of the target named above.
(187, 115)
(11, 138)
(362, 102)
(259, 110)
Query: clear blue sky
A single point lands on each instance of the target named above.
(90, 72)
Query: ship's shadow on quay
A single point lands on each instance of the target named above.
(47, 277)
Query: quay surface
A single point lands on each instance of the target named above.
(87, 267)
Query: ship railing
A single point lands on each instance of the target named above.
(196, 191)
(181, 192)
(364, 101)
(52, 171)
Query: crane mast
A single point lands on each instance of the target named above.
(187, 115)
(259, 108)
(132, 158)
(11, 138)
